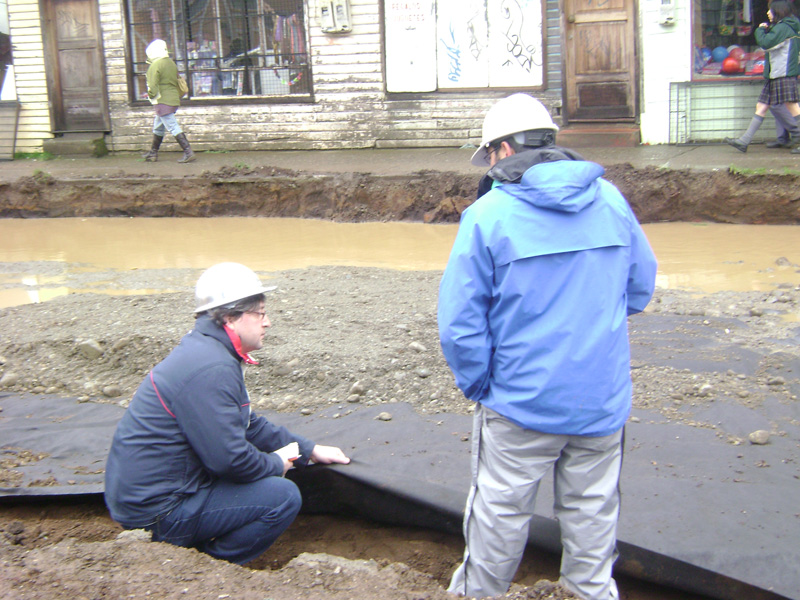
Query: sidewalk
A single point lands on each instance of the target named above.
(393, 162)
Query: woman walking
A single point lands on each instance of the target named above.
(780, 39)
(162, 90)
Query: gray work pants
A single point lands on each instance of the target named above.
(508, 462)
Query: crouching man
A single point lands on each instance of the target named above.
(190, 461)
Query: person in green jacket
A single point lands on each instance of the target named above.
(780, 39)
(162, 90)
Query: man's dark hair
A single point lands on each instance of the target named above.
(781, 9)
(220, 314)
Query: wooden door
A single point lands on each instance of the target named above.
(600, 64)
(75, 67)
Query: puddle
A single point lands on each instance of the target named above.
(39, 258)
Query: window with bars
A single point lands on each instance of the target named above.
(224, 48)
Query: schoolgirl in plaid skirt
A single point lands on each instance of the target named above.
(781, 41)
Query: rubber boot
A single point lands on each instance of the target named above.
(785, 126)
(152, 154)
(188, 155)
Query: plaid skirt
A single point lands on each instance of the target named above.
(779, 91)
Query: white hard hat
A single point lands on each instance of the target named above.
(225, 283)
(516, 113)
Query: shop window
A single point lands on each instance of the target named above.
(463, 44)
(224, 48)
(724, 40)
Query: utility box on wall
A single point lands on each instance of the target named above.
(334, 16)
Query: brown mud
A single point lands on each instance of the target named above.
(655, 195)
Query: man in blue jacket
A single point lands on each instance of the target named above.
(546, 267)
(190, 461)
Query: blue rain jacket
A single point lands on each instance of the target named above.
(201, 429)
(534, 301)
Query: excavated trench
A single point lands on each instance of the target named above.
(656, 195)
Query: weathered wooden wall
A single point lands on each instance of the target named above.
(26, 39)
(350, 107)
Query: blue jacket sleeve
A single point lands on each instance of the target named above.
(642, 271)
(214, 421)
(465, 294)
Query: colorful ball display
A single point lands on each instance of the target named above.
(719, 54)
(736, 53)
(731, 66)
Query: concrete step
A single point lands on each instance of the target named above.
(605, 135)
(77, 144)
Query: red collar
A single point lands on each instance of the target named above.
(237, 345)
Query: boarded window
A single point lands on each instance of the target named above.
(463, 44)
(224, 48)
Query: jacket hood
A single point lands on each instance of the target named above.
(157, 49)
(568, 186)
(793, 22)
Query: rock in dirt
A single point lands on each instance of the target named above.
(759, 437)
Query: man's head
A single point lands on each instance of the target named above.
(511, 125)
(233, 295)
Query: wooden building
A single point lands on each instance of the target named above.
(319, 74)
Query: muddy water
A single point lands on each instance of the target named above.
(37, 256)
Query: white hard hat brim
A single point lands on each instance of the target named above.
(480, 157)
(210, 305)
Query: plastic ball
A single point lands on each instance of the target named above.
(719, 54)
(730, 66)
(736, 53)
(731, 48)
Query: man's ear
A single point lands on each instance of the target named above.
(509, 151)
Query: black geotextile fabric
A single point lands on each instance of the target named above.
(699, 513)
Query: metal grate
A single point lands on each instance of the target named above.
(708, 111)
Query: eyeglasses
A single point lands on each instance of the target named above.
(261, 314)
(490, 150)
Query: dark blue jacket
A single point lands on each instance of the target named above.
(197, 428)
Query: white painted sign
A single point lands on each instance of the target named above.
(410, 46)
(452, 44)
(516, 54)
(463, 40)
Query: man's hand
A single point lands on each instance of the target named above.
(328, 454)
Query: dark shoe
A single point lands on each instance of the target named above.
(736, 144)
(188, 155)
(778, 144)
(152, 154)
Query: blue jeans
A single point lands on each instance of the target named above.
(232, 521)
(166, 123)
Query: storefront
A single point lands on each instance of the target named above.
(702, 70)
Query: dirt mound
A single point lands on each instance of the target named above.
(56, 551)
